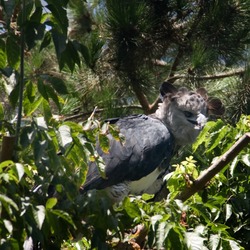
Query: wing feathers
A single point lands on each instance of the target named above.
(147, 143)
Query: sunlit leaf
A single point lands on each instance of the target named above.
(39, 215)
(3, 57)
(8, 225)
(50, 203)
(104, 142)
(5, 199)
(20, 170)
(64, 135)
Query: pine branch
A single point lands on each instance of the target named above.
(215, 168)
(82, 115)
(239, 71)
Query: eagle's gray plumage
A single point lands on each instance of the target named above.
(136, 165)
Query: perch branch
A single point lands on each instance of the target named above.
(215, 168)
(209, 77)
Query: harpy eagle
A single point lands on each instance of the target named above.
(135, 166)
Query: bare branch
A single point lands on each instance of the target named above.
(215, 168)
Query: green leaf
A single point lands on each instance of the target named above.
(42, 89)
(59, 85)
(47, 111)
(229, 211)
(131, 208)
(46, 41)
(39, 215)
(13, 52)
(104, 142)
(39, 148)
(214, 241)
(216, 140)
(52, 94)
(69, 57)
(20, 170)
(51, 202)
(30, 108)
(64, 135)
(27, 136)
(246, 159)
(60, 20)
(65, 216)
(5, 199)
(14, 94)
(194, 241)
(1, 111)
(8, 225)
(3, 57)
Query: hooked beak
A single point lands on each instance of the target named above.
(199, 122)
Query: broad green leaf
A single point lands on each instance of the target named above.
(39, 215)
(63, 215)
(30, 108)
(14, 94)
(39, 148)
(42, 89)
(31, 91)
(216, 140)
(5, 199)
(131, 208)
(104, 142)
(46, 41)
(69, 57)
(246, 159)
(41, 123)
(101, 166)
(202, 136)
(234, 245)
(51, 94)
(20, 170)
(64, 135)
(194, 241)
(27, 136)
(51, 202)
(229, 211)
(59, 85)
(13, 52)
(8, 225)
(214, 241)
(47, 111)
(160, 234)
(60, 17)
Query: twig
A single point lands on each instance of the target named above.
(215, 168)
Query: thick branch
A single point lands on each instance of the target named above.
(215, 168)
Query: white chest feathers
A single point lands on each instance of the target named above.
(149, 184)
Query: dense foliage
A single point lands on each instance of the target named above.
(99, 46)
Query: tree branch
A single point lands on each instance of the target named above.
(81, 115)
(209, 77)
(215, 168)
